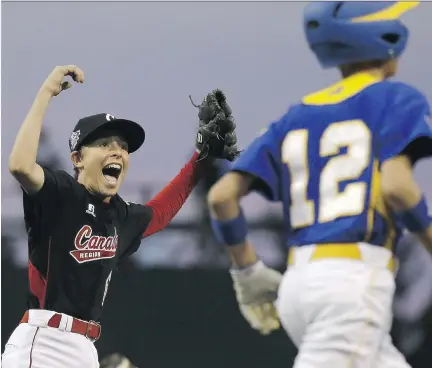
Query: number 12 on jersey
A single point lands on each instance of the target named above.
(331, 202)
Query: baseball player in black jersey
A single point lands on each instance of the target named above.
(80, 229)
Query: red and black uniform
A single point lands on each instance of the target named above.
(76, 240)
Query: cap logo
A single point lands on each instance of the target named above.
(74, 139)
(110, 117)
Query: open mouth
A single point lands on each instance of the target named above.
(111, 173)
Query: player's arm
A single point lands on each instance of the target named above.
(155, 215)
(166, 204)
(255, 284)
(254, 170)
(224, 204)
(22, 160)
(404, 196)
(215, 138)
(404, 139)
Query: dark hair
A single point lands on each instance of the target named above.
(350, 69)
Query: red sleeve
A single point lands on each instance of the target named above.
(170, 199)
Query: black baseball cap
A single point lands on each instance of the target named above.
(88, 128)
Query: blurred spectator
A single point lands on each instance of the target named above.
(214, 172)
(413, 299)
(47, 155)
(211, 252)
(7, 243)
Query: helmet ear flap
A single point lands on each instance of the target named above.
(312, 24)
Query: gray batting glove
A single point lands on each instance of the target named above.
(256, 289)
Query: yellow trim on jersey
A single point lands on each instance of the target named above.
(393, 12)
(383, 210)
(342, 90)
(376, 203)
(374, 194)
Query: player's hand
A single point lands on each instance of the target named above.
(256, 289)
(56, 83)
(261, 317)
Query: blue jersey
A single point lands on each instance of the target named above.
(322, 159)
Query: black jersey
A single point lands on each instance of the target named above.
(75, 242)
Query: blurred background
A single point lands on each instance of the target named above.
(173, 304)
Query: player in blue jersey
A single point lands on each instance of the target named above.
(340, 161)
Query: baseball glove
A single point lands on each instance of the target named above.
(216, 136)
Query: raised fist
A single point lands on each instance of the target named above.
(55, 82)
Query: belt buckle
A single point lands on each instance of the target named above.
(93, 323)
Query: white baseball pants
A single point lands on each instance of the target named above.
(338, 312)
(35, 345)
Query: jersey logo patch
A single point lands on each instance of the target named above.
(91, 210)
(93, 247)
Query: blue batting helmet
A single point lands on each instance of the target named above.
(344, 32)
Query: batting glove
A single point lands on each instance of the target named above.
(256, 289)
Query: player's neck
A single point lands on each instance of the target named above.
(81, 179)
(376, 73)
